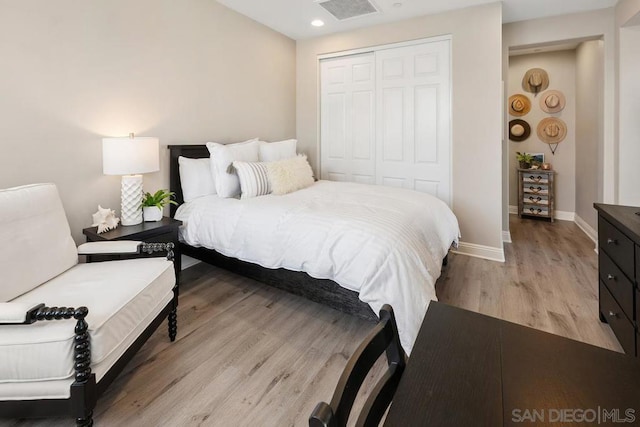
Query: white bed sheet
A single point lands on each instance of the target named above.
(385, 243)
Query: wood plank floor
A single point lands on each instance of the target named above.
(250, 355)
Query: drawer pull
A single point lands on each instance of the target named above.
(612, 314)
(611, 277)
(535, 190)
(611, 241)
(536, 199)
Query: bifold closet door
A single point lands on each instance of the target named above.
(385, 118)
(413, 92)
(347, 110)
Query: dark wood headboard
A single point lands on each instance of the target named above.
(191, 151)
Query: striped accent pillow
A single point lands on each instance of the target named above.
(254, 180)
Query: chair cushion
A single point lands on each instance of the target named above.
(120, 296)
(36, 240)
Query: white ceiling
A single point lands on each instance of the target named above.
(293, 17)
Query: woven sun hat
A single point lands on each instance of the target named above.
(519, 130)
(552, 101)
(552, 130)
(519, 105)
(535, 80)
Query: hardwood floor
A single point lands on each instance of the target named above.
(250, 355)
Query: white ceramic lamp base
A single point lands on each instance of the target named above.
(131, 193)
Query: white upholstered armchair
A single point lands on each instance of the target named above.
(67, 329)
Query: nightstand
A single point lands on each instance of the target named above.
(163, 231)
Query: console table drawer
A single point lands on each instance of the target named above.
(618, 246)
(618, 284)
(621, 326)
(537, 178)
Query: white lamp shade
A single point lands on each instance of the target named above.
(129, 156)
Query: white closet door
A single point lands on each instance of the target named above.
(347, 132)
(413, 118)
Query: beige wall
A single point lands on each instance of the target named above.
(589, 129)
(561, 68)
(595, 24)
(629, 136)
(476, 105)
(187, 72)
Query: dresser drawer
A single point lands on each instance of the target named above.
(535, 210)
(537, 189)
(621, 326)
(536, 178)
(536, 199)
(618, 284)
(618, 246)
(637, 266)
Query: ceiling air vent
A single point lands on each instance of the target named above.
(345, 9)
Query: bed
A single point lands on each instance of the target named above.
(352, 246)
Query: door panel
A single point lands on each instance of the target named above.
(413, 129)
(347, 131)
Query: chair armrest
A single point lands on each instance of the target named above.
(113, 247)
(16, 313)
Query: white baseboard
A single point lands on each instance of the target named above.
(187, 261)
(564, 215)
(506, 236)
(480, 251)
(560, 215)
(588, 230)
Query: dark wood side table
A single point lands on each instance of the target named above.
(163, 231)
(467, 369)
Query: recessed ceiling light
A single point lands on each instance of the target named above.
(317, 22)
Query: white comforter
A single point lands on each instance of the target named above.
(385, 243)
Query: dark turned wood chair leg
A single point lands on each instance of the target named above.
(173, 324)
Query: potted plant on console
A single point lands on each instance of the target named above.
(524, 159)
(152, 204)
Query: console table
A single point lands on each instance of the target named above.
(467, 369)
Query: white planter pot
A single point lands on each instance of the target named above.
(151, 213)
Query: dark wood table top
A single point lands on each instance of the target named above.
(467, 369)
(623, 216)
(140, 231)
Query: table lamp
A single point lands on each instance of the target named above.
(130, 157)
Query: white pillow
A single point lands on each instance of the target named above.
(222, 156)
(195, 178)
(272, 151)
(254, 180)
(289, 175)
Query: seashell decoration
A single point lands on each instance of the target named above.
(105, 219)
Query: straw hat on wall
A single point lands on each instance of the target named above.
(519, 130)
(552, 130)
(535, 80)
(552, 101)
(519, 105)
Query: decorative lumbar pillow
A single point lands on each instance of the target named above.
(222, 158)
(289, 175)
(196, 178)
(254, 180)
(273, 151)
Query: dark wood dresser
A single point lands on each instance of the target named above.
(619, 272)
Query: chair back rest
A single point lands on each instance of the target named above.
(35, 239)
(383, 338)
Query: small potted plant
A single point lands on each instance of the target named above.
(524, 159)
(152, 204)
